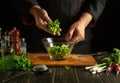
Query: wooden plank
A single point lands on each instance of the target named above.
(73, 60)
(66, 76)
(86, 76)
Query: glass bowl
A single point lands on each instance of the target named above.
(58, 48)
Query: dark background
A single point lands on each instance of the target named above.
(106, 32)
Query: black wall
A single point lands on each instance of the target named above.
(106, 32)
(9, 18)
(8, 15)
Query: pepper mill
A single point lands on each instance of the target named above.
(15, 34)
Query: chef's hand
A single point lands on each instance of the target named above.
(76, 32)
(41, 18)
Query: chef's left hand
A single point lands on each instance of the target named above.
(76, 33)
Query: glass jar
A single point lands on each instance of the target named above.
(1, 44)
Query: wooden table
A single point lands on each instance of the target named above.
(60, 74)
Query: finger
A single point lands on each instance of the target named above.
(77, 38)
(45, 21)
(45, 16)
(69, 35)
(48, 20)
(43, 27)
(74, 39)
(58, 33)
(47, 30)
(40, 22)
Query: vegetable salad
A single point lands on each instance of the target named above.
(59, 52)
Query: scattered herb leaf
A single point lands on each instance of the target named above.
(67, 67)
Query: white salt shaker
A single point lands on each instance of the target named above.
(23, 46)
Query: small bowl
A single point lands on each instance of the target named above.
(58, 48)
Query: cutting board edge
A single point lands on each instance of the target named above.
(36, 55)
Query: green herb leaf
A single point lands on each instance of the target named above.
(54, 26)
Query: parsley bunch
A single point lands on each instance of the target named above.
(15, 62)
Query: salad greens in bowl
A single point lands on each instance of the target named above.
(58, 48)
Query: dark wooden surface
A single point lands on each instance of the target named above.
(62, 75)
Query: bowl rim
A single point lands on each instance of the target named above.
(44, 40)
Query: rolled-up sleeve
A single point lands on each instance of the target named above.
(95, 8)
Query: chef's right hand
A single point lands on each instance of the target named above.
(41, 18)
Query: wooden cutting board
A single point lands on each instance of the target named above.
(73, 60)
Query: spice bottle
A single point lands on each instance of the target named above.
(23, 46)
(7, 45)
